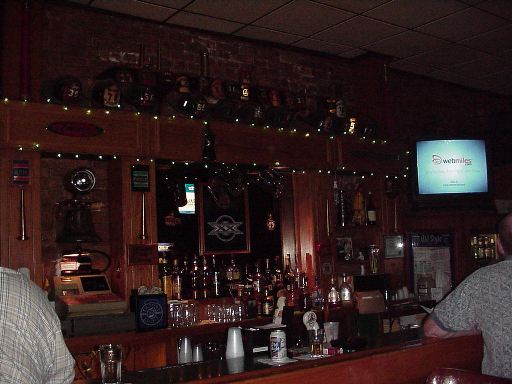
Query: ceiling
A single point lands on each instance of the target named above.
(467, 42)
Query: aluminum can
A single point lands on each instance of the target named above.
(278, 345)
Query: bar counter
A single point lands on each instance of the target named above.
(401, 357)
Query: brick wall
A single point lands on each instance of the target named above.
(83, 43)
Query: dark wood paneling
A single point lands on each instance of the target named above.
(24, 124)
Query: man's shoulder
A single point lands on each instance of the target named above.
(494, 272)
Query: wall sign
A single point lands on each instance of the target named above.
(223, 230)
(140, 178)
(20, 172)
(431, 262)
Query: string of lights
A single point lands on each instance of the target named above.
(278, 166)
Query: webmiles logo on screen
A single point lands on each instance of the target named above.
(436, 159)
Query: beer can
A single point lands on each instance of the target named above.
(278, 345)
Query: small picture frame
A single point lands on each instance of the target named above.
(344, 251)
(393, 246)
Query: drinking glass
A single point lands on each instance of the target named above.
(111, 356)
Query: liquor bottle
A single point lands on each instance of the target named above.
(333, 296)
(177, 281)
(233, 277)
(216, 280)
(277, 277)
(492, 246)
(196, 280)
(186, 292)
(249, 298)
(288, 273)
(474, 247)
(258, 280)
(165, 277)
(358, 204)
(267, 303)
(269, 275)
(317, 296)
(305, 297)
(207, 280)
(371, 212)
(345, 290)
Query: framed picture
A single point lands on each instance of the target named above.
(393, 246)
(344, 249)
(223, 225)
(430, 264)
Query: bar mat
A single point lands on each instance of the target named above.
(275, 363)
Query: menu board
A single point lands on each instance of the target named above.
(431, 261)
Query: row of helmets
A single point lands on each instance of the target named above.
(166, 93)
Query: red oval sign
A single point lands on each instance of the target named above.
(74, 129)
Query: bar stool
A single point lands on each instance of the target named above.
(462, 376)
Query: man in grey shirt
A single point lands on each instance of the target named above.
(482, 303)
(32, 349)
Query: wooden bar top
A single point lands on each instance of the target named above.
(404, 357)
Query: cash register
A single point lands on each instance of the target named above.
(85, 295)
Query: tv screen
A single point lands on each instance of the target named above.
(190, 207)
(451, 166)
(451, 171)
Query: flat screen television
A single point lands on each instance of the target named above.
(451, 173)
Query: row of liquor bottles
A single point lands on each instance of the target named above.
(483, 246)
(258, 286)
(148, 90)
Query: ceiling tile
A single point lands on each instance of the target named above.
(353, 53)
(407, 66)
(358, 31)
(471, 2)
(495, 42)
(447, 56)
(235, 10)
(322, 46)
(136, 8)
(358, 6)
(463, 24)
(258, 33)
(449, 76)
(499, 79)
(176, 4)
(303, 17)
(502, 8)
(482, 67)
(193, 20)
(405, 44)
(412, 13)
